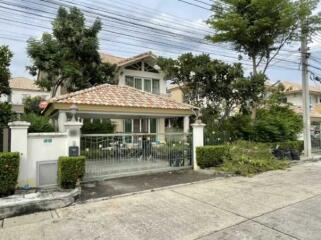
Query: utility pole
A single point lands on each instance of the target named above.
(305, 90)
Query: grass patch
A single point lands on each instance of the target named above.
(248, 158)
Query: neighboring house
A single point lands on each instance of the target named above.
(139, 104)
(22, 88)
(293, 92)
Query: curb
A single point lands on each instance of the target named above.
(16, 208)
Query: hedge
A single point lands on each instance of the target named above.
(212, 156)
(9, 170)
(70, 169)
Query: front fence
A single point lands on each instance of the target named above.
(118, 154)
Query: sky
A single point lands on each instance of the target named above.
(22, 19)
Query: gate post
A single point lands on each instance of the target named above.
(198, 139)
(19, 143)
(73, 134)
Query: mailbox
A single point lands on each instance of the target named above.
(73, 151)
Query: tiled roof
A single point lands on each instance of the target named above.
(108, 58)
(120, 61)
(23, 83)
(295, 87)
(119, 96)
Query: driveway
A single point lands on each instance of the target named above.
(276, 205)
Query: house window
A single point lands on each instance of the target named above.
(138, 83)
(156, 86)
(153, 125)
(129, 81)
(142, 125)
(147, 85)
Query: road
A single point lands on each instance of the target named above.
(282, 205)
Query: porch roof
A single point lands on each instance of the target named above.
(122, 99)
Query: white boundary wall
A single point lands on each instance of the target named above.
(37, 148)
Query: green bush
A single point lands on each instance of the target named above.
(70, 169)
(31, 105)
(9, 170)
(273, 124)
(290, 145)
(212, 156)
(38, 123)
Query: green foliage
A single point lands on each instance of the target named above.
(6, 114)
(31, 105)
(9, 170)
(212, 83)
(277, 124)
(38, 123)
(97, 126)
(69, 56)
(290, 145)
(272, 124)
(70, 169)
(212, 156)
(259, 29)
(5, 59)
(248, 158)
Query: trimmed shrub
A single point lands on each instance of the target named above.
(9, 170)
(212, 156)
(70, 169)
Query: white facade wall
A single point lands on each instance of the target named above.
(43, 147)
(296, 99)
(17, 96)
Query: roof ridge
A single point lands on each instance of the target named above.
(72, 94)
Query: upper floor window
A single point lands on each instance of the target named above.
(156, 88)
(146, 84)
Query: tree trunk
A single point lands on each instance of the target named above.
(254, 104)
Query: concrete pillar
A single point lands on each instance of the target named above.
(73, 131)
(186, 124)
(161, 129)
(19, 143)
(62, 119)
(198, 139)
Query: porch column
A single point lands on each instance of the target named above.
(198, 140)
(161, 130)
(186, 124)
(19, 143)
(62, 119)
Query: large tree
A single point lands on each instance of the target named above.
(5, 59)
(257, 28)
(261, 28)
(212, 84)
(68, 57)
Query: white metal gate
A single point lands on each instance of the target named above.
(112, 155)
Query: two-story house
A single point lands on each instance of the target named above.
(138, 104)
(22, 88)
(293, 92)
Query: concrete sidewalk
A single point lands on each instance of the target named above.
(275, 205)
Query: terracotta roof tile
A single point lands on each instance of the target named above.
(23, 83)
(122, 96)
(120, 61)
